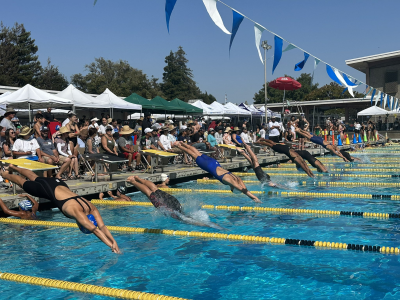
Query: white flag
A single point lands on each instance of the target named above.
(258, 30)
(341, 79)
(211, 6)
(378, 98)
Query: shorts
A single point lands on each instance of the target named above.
(46, 159)
(356, 130)
(126, 155)
(62, 159)
(274, 138)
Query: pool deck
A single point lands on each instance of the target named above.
(177, 173)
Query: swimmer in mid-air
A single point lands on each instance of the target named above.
(312, 160)
(333, 149)
(252, 159)
(70, 204)
(213, 167)
(293, 155)
(348, 156)
(121, 190)
(165, 202)
(27, 208)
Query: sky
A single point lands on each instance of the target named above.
(73, 33)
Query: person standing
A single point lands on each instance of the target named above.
(302, 125)
(6, 122)
(273, 126)
(49, 117)
(146, 122)
(93, 123)
(38, 125)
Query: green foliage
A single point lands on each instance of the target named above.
(120, 77)
(331, 91)
(335, 112)
(19, 63)
(50, 78)
(207, 98)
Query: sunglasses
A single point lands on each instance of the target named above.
(12, 132)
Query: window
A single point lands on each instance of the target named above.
(391, 83)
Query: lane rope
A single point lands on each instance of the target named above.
(352, 184)
(206, 191)
(320, 175)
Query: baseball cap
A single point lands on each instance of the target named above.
(44, 128)
(147, 130)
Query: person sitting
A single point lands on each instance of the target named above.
(213, 167)
(8, 144)
(27, 208)
(219, 135)
(227, 137)
(121, 190)
(125, 144)
(108, 145)
(93, 123)
(24, 147)
(83, 136)
(56, 134)
(236, 139)
(91, 147)
(64, 147)
(245, 136)
(165, 202)
(70, 204)
(49, 153)
(198, 138)
(164, 142)
(165, 181)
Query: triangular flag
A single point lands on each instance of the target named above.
(366, 94)
(378, 96)
(332, 74)
(258, 30)
(343, 82)
(237, 20)
(299, 66)
(277, 52)
(373, 95)
(348, 81)
(169, 7)
(289, 47)
(211, 6)
(316, 62)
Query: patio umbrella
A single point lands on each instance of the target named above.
(285, 84)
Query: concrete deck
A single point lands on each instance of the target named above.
(177, 173)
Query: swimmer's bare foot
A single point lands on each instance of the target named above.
(101, 195)
(131, 179)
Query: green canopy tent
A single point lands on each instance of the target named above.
(189, 109)
(146, 104)
(168, 106)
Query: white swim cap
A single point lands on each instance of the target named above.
(25, 205)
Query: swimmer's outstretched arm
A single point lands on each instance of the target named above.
(10, 212)
(336, 151)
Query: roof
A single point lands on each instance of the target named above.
(318, 102)
(361, 63)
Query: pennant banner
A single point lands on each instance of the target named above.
(373, 95)
(348, 81)
(332, 74)
(341, 79)
(383, 103)
(396, 105)
(299, 66)
(211, 6)
(289, 47)
(258, 30)
(378, 97)
(316, 62)
(169, 7)
(366, 94)
(277, 52)
(389, 104)
(237, 20)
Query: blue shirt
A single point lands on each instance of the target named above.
(211, 139)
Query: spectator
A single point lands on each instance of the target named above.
(9, 144)
(49, 153)
(65, 155)
(108, 145)
(102, 128)
(155, 139)
(93, 123)
(114, 125)
(138, 130)
(183, 126)
(236, 139)
(245, 136)
(66, 121)
(164, 143)
(227, 137)
(24, 147)
(84, 125)
(6, 122)
(198, 140)
(146, 122)
(74, 132)
(211, 138)
(263, 132)
(49, 117)
(273, 130)
(56, 134)
(83, 135)
(125, 144)
(185, 137)
(39, 123)
(219, 135)
(91, 147)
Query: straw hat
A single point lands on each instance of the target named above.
(25, 130)
(227, 129)
(126, 130)
(63, 130)
(236, 128)
(171, 127)
(9, 110)
(109, 120)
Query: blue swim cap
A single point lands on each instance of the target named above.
(58, 127)
(84, 229)
(25, 205)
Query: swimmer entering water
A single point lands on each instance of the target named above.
(252, 159)
(167, 203)
(293, 155)
(312, 160)
(213, 167)
(27, 208)
(348, 156)
(85, 213)
(333, 149)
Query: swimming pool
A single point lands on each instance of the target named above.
(198, 268)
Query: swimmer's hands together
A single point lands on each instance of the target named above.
(115, 248)
(255, 199)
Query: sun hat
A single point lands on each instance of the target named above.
(25, 205)
(147, 130)
(164, 177)
(9, 110)
(25, 130)
(228, 129)
(109, 120)
(236, 128)
(171, 127)
(64, 130)
(126, 130)
(94, 120)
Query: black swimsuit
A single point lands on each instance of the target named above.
(346, 155)
(284, 149)
(160, 198)
(261, 175)
(307, 156)
(44, 187)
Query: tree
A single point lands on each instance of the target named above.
(331, 91)
(207, 98)
(51, 78)
(18, 63)
(178, 78)
(120, 77)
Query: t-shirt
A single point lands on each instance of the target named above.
(63, 147)
(21, 145)
(94, 126)
(7, 124)
(262, 133)
(102, 129)
(145, 142)
(245, 137)
(171, 138)
(154, 141)
(274, 131)
(122, 142)
(211, 139)
(48, 116)
(218, 137)
(46, 145)
(165, 142)
(357, 126)
(184, 139)
(197, 138)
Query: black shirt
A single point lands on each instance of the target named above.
(145, 124)
(48, 116)
(184, 139)
(196, 137)
(302, 124)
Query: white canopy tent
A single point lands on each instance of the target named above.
(79, 98)
(270, 112)
(207, 109)
(109, 100)
(224, 110)
(237, 109)
(373, 111)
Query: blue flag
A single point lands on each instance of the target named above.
(169, 7)
(299, 66)
(332, 74)
(348, 81)
(277, 52)
(373, 95)
(237, 20)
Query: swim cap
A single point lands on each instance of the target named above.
(164, 177)
(25, 205)
(58, 127)
(122, 189)
(84, 229)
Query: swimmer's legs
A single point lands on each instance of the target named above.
(266, 142)
(16, 178)
(192, 151)
(140, 186)
(320, 166)
(253, 157)
(297, 159)
(304, 133)
(147, 183)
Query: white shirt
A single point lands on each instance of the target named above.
(262, 133)
(245, 137)
(171, 138)
(102, 129)
(94, 126)
(357, 126)
(66, 121)
(274, 131)
(165, 142)
(219, 138)
(21, 145)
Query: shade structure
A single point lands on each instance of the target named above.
(373, 111)
(31, 97)
(207, 109)
(270, 112)
(189, 109)
(146, 104)
(79, 98)
(251, 109)
(168, 106)
(237, 109)
(285, 83)
(224, 110)
(109, 100)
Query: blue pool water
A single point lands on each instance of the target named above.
(207, 269)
